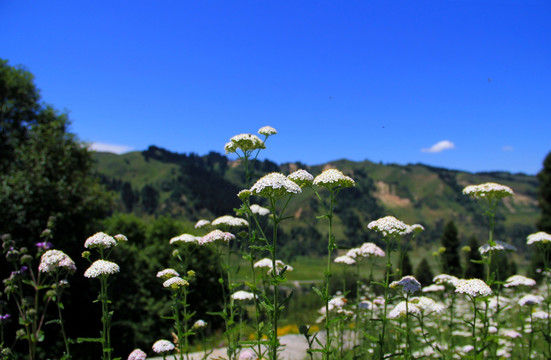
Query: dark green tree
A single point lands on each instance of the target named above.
(129, 197)
(544, 193)
(150, 199)
(451, 261)
(423, 273)
(44, 169)
(472, 269)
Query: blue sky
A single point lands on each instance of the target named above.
(459, 84)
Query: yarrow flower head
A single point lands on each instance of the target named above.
(344, 259)
(331, 178)
(120, 238)
(519, 280)
(539, 237)
(199, 324)
(415, 228)
(184, 238)
(230, 221)
(302, 178)
(167, 274)
(267, 131)
(408, 283)
(243, 295)
(100, 240)
(388, 225)
(433, 288)
(499, 246)
(259, 210)
(530, 300)
(488, 190)
(137, 354)
(245, 143)
(400, 310)
(101, 267)
(216, 235)
(446, 280)
(267, 263)
(162, 346)
(175, 283)
(473, 287)
(370, 249)
(427, 305)
(201, 223)
(52, 260)
(274, 185)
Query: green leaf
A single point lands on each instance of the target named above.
(90, 340)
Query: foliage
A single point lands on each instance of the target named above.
(544, 195)
(423, 272)
(451, 261)
(473, 268)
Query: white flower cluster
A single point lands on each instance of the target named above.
(100, 240)
(167, 273)
(473, 287)
(275, 185)
(301, 177)
(184, 238)
(267, 131)
(530, 300)
(243, 295)
(344, 259)
(488, 190)
(388, 225)
(259, 210)
(446, 280)
(539, 237)
(201, 223)
(409, 284)
(400, 310)
(499, 246)
(267, 263)
(245, 143)
(175, 283)
(216, 235)
(162, 346)
(137, 354)
(52, 260)
(230, 221)
(101, 267)
(518, 280)
(433, 288)
(415, 228)
(427, 305)
(332, 177)
(199, 324)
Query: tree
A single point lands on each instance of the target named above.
(150, 199)
(451, 260)
(423, 273)
(544, 192)
(44, 169)
(474, 270)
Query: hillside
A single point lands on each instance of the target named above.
(189, 187)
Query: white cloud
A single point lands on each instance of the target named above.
(440, 146)
(111, 148)
(507, 148)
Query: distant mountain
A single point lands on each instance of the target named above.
(190, 187)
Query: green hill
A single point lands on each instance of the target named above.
(189, 187)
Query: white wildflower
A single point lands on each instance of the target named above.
(388, 225)
(301, 177)
(100, 240)
(510, 333)
(445, 279)
(400, 310)
(540, 315)
(259, 210)
(216, 235)
(184, 238)
(52, 260)
(275, 185)
(488, 190)
(245, 143)
(167, 273)
(433, 288)
(267, 131)
(162, 346)
(231, 221)
(247, 354)
(427, 305)
(370, 249)
(263, 263)
(473, 287)
(175, 282)
(243, 295)
(518, 280)
(199, 324)
(538, 237)
(137, 354)
(120, 238)
(344, 259)
(530, 300)
(101, 267)
(332, 177)
(201, 223)
(499, 246)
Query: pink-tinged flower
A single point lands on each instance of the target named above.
(137, 354)
(344, 259)
(530, 300)
(216, 235)
(175, 283)
(388, 225)
(161, 346)
(231, 221)
(52, 260)
(473, 287)
(167, 273)
(519, 280)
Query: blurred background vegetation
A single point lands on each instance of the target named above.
(154, 195)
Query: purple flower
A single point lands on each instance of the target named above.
(23, 269)
(44, 245)
(4, 317)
